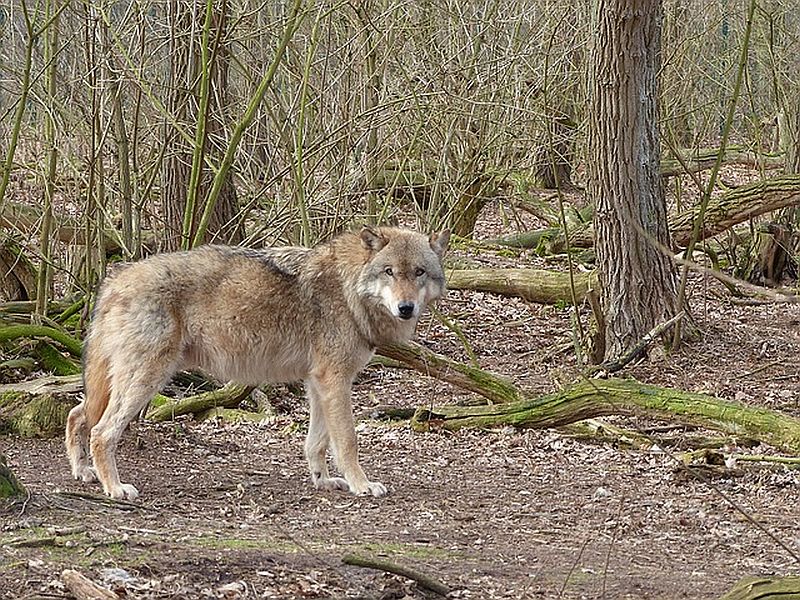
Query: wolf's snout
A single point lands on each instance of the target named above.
(406, 310)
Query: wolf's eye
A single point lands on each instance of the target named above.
(388, 271)
(419, 272)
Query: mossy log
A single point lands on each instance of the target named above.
(597, 397)
(38, 408)
(765, 588)
(493, 387)
(585, 400)
(534, 285)
(228, 396)
(54, 361)
(10, 486)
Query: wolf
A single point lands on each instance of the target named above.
(282, 314)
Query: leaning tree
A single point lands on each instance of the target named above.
(637, 278)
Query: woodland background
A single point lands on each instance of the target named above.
(128, 128)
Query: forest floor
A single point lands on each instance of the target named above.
(227, 510)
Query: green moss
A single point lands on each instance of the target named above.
(10, 486)
(44, 415)
(52, 360)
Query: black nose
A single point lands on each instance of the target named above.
(406, 310)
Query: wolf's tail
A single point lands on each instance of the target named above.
(82, 418)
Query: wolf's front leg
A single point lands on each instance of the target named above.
(317, 446)
(334, 406)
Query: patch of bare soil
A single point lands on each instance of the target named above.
(227, 510)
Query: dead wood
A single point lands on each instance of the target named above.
(38, 407)
(534, 285)
(229, 396)
(586, 399)
(597, 398)
(765, 588)
(84, 588)
(723, 212)
(424, 581)
(22, 217)
(694, 161)
(737, 206)
(493, 387)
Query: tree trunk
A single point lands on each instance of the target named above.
(637, 279)
(182, 102)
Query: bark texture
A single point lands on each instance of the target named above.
(636, 278)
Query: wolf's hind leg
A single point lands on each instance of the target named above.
(128, 398)
(77, 441)
(317, 443)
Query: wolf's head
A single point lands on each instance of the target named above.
(404, 271)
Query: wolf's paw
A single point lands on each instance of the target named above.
(84, 473)
(371, 488)
(330, 483)
(124, 491)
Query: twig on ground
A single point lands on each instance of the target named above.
(425, 581)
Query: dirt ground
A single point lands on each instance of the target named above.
(227, 510)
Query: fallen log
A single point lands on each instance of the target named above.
(38, 408)
(493, 387)
(693, 161)
(597, 398)
(23, 217)
(13, 332)
(737, 206)
(228, 396)
(423, 580)
(534, 285)
(723, 212)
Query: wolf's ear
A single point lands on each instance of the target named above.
(371, 239)
(439, 241)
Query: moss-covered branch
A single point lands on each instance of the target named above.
(13, 332)
(596, 398)
(494, 387)
(765, 588)
(229, 396)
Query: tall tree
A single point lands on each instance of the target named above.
(199, 79)
(637, 278)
